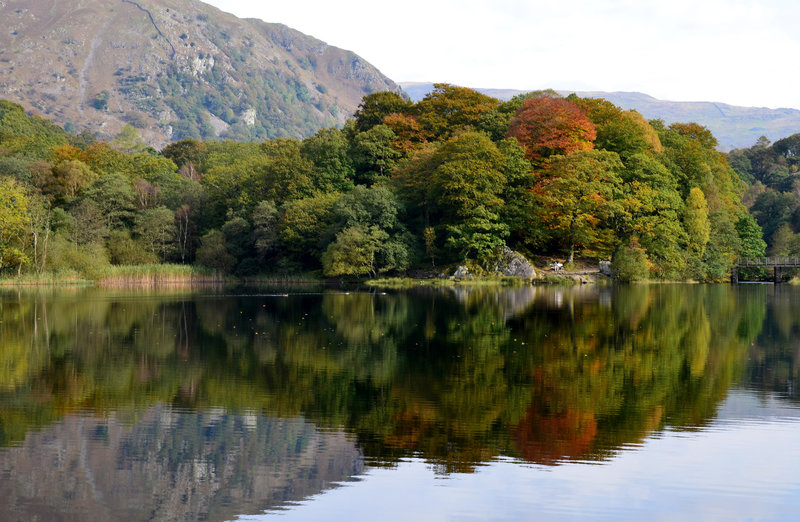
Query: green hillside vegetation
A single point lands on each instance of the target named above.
(451, 179)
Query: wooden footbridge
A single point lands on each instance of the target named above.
(776, 263)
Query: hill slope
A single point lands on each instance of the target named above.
(175, 69)
(733, 126)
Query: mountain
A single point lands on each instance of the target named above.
(733, 126)
(174, 69)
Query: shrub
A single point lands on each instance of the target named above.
(630, 263)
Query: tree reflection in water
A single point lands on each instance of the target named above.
(456, 376)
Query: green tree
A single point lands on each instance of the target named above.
(650, 210)
(123, 250)
(13, 219)
(377, 210)
(185, 152)
(698, 226)
(723, 246)
(238, 237)
(88, 224)
(773, 209)
(376, 106)
(129, 141)
(265, 228)
(373, 154)
(630, 263)
(751, 237)
(518, 210)
(466, 185)
(213, 253)
(39, 230)
(303, 224)
(114, 197)
(329, 149)
(155, 228)
(353, 252)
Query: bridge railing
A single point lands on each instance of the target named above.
(782, 261)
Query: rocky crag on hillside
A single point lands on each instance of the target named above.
(174, 69)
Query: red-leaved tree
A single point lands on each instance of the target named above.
(548, 126)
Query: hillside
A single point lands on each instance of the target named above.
(733, 126)
(174, 69)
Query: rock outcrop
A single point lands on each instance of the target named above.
(509, 263)
(514, 264)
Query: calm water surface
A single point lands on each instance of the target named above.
(537, 403)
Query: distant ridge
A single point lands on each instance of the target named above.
(733, 126)
(174, 69)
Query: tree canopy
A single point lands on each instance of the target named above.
(454, 178)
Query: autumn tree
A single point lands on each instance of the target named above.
(448, 109)
(577, 200)
(624, 132)
(73, 176)
(409, 132)
(551, 126)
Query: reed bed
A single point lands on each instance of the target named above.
(157, 275)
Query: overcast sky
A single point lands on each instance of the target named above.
(731, 51)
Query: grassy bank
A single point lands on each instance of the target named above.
(46, 279)
(123, 276)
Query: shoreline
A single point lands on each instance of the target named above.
(186, 277)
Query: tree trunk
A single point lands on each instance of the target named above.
(44, 249)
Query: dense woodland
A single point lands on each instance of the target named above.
(772, 171)
(403, 186)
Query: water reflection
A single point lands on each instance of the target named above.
(166, 465)
(190, 393)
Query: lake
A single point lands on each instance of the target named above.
(638, 402)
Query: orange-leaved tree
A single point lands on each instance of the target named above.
(549, 126)
(578, 199)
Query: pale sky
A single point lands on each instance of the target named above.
(730, 51)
